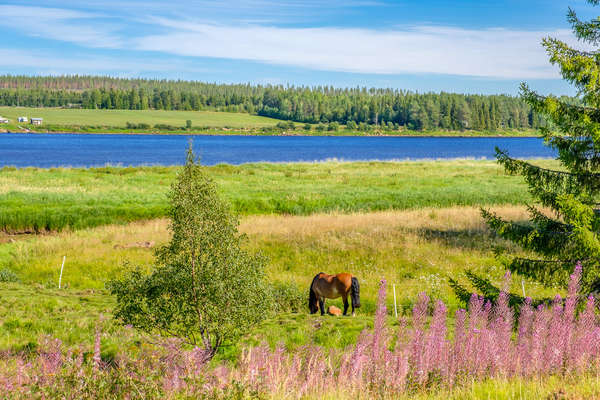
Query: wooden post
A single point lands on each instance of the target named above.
(395, 307)
(61, 271)
(523, 287)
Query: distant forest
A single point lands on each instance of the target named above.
(356, 107)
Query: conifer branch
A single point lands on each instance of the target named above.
(529, 237)
(490, 292)
(538, 177)
(588, 31)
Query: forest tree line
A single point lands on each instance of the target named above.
(354, 106)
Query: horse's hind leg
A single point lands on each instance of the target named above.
(322, 305)
(345, 298)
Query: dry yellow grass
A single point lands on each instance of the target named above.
(415, 249)
(454, 218)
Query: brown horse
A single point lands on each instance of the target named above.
(326, 286)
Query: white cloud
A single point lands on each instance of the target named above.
(60, 24)
(45, 62)
(489, 53)
(496, 53)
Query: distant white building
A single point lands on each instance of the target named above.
(3, 120)
(22, 119)
(37, 121)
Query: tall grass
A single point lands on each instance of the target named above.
(420, 357)
(37, 200)
(415, 249)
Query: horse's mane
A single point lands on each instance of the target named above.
(312, 296)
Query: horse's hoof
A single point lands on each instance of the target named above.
(354, 315)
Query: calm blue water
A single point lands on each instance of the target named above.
(52, 150)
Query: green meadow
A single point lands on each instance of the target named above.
(119, 118)
(415, 250)
(77, 120)
(413, 223)
(41, 200)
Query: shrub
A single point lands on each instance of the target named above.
(166, 127)
(287, 297)
(307, 127)
(6, 275)
(333, 126)
(141, 125)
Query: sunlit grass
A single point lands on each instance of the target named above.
(415, 250)
(34, 199)
(119, 118)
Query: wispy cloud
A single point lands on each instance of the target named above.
(45, 62)
(65, 25)
(488, 53)
(497, 53)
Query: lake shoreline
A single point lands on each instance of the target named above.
(255, 134)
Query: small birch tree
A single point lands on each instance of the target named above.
(205, 287)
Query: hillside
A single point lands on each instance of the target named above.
(359, 108)
(120, 118)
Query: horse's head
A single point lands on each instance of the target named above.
(313, 304)
(313, 300)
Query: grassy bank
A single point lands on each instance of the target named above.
(119, 118)
(52, 199)
(203, 122)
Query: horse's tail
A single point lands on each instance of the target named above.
(312, 296)
(355, 293)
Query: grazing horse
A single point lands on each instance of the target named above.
(326, 286)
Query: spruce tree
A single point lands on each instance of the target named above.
(569, 233)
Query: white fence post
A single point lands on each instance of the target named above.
(61, 271)
(395, 307)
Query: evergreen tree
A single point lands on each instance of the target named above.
(570, 232)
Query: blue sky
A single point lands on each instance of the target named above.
(461, 46)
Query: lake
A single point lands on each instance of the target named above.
(80, 150)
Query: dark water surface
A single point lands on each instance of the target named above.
(78, 150)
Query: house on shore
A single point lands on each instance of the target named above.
(37, 121)
(22, 119)
(3, 120)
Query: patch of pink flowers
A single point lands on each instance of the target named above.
(419, 354)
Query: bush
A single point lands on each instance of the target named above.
(333, 126)
(6, 275)
(320, 128)
(286, 125)
(307, 127)
(188, 124)
(131, 125)
(351, 125)
(364, 127)
(166, 127)
(287, 297)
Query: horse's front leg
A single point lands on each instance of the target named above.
(322, 305)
